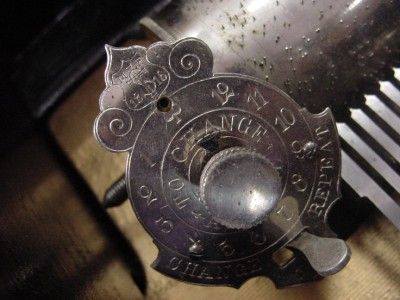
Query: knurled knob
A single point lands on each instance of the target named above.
(239, 187)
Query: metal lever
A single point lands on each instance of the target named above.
(326, 256)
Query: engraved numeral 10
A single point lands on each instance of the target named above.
(285, 119)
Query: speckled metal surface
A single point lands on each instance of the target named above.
(224, 169)
(322, 53)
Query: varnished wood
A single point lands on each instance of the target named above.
(51, 243)
(373, 272)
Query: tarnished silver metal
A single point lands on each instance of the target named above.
(316, 51)
(321, 53)
(239, 187)
(224, 169)
(326, 255)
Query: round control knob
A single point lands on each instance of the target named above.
(239, 187)
(214, 156)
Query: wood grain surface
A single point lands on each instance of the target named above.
(373, 272)
(52, 245)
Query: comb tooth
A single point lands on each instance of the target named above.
(371, 148)
(384, 112)
(388, 102)
(397, 73)
(363, 129)
(376, 133)
(381, 122)
(365, 186)
(371, 160)
(391, 91)
(395, 81)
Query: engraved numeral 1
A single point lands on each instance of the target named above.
(257, 99)
(285, 119)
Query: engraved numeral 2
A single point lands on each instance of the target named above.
(222, 93)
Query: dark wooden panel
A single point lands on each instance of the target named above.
(70, 46)
(51, 243)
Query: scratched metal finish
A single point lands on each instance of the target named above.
(316, 51)
(322, 53)
(188, 131)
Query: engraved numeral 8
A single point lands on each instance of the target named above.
(299, 182)
(297, 148)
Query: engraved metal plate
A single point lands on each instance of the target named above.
(224, 169)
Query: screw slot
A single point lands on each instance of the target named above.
(164, 104)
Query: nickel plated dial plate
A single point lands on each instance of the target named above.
(165, 107)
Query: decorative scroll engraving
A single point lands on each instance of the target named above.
(137, 77)
(113, 129)
(165, 106)
(141, 81)
(185, 60)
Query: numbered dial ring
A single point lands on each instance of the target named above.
(173, 188)
(223, 170)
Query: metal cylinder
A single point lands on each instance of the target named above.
(316, 51)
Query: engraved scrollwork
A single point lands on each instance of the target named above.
(112, 128)
(131, 79)
(188, 57)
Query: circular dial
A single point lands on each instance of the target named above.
(223, 169)
(179, 149)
